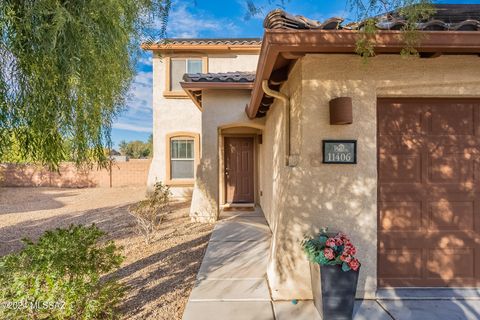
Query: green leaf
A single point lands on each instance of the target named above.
(65, 71)
(63, 265)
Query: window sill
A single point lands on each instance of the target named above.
(181, 182)
(175, 95)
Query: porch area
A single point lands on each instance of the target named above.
(232, 283)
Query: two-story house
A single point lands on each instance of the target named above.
(177, 119)
(394, 163)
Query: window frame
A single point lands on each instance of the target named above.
(168, 93)
(196, 155)
(188, 143)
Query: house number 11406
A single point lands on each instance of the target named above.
(340, 151)
(343, 157)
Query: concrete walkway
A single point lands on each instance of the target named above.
(231, 284)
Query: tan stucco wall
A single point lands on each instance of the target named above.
(228, 62)
(169, 115)
(221, 109)
(174, 115)
(300, 200)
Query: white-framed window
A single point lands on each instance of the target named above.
(182, 158)
(180, 66)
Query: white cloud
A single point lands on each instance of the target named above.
(182, 23)
(140, 95)
(132, 127)
(138, 113)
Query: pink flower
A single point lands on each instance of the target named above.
(354, 264)
(346, 258)
(349, 249)
(338, 241)
(342, 236)
(330, 242)
(353, 251)
(329, 253)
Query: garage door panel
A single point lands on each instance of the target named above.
(399, 192)
(401, 263)
(401, 119)
(401, 144)
(451, 215)
(450, 168)
(443, 264)
(428, 194)
(402, 215)
(440, 145)
(452, 119)
(400, 168)
(403, 191)
(428, 239)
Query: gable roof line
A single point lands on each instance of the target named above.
(204, 44)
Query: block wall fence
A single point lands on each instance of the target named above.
(131, 173)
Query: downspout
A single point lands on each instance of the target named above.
(290, 160)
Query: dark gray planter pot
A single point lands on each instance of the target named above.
(334, 291)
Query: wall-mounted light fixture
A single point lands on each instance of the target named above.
(341, 110)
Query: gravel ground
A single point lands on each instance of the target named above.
(160, 276)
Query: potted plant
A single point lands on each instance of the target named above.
(334, 271)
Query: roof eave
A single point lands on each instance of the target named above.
(194, 48)
(194, 90)
(279, 42)
(199, 85)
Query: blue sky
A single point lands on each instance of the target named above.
(214, 19)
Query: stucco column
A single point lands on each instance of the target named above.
(204, 207)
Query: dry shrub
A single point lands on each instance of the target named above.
(150, 212)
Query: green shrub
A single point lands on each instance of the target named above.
(58, 277)
(150, 212)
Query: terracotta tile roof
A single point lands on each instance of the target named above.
(220, 77)
(195, 83)
(279, 19)
(211, 41)
(447, 17)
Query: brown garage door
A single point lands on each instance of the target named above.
(429, 192)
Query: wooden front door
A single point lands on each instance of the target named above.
(239, 170)
(429, 193)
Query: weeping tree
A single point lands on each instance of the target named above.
(65, 68)
(412, 11)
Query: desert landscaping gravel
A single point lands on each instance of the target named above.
(160, 275)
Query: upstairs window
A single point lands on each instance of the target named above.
(180, 66)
